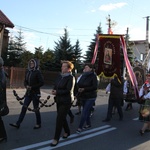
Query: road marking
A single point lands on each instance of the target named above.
(78, 139)
(71, 136)
(135, 119)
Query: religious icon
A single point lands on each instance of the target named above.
(108, 56)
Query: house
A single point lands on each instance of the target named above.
(139, 50)
(4, 38)
(140, 53)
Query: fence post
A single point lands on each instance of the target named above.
(11, 76)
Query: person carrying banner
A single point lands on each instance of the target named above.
(115, 98)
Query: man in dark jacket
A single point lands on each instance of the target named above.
(3, 135)
(33, 81)
(115, 98)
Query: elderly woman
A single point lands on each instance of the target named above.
(87, 88)
(64, 95)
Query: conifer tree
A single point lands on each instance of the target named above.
(91, 47)
(48, 60)
(77, 55)
(63, 50)
(16, 47)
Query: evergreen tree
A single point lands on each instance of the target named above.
(16, 47)
(77, 55)
(25, 57)
(129, 50)
(48, 60)
(91, 47)
(39, 55)
(63, 50)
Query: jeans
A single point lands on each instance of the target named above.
(85, 116)
(35, 100)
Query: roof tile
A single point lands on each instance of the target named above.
(5, 21)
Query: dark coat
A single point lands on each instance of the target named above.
(89, 82)
(116, 90)
(34, 78)
(2, 88)
(64, 87)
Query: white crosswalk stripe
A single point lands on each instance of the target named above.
(72, 138)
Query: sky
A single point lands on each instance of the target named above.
(43, 21)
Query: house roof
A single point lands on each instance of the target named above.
(5, 21)
(138, 41)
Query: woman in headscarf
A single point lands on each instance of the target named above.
(33, 81)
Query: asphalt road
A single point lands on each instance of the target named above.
(113, 135)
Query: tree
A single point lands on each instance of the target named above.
(39, 55)
(129, 50)
(16, 47)
(77, 56)
(63, 50)
(25, 57)
(48, 60)
(91, 47)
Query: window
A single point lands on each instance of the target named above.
(141, 56)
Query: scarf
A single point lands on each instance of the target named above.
(65, 74)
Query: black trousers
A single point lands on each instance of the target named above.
(61, 121)
(114, 102)
(2, 129)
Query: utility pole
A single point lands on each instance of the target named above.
(147, 42)
(127, 36)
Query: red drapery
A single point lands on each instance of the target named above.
(109, 58)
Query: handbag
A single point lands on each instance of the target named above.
(4, 110)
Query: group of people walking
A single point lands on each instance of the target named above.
(64, 91)
(66, 88)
